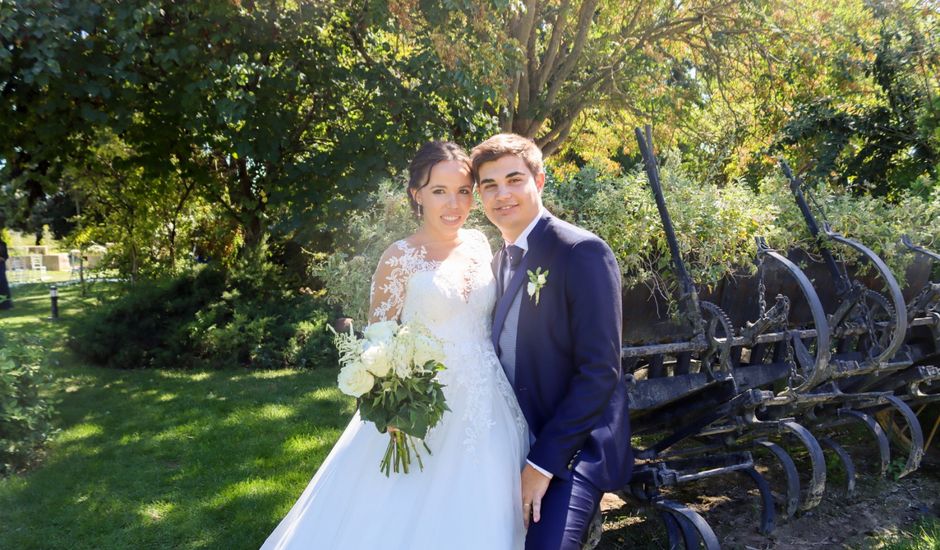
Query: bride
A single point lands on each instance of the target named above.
(468, 494)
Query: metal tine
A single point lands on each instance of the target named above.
(847, 463)
(917, 434)
(817, 486)
(686, 518)
(791, 473)
(767, 514)
(875, 429)
(672, 530)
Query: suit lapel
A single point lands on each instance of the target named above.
(505, 301)
(497, 266)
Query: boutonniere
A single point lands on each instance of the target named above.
(537, 280)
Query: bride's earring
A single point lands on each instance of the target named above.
(420, 211)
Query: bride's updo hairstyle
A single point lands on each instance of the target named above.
(431, 153)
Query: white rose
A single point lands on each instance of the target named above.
(426, 349)
(381, 332)
(355, 380)
(377, 358)
(531, 288)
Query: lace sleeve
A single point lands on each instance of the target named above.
(388, 286)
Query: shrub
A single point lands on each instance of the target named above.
(876, 222)
(25, 413)
(715, 225)
(248, 316)
(260, 321)
(147, 325)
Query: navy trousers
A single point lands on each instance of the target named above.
(567, 510)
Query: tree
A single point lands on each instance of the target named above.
(554, 60)
(282, 113)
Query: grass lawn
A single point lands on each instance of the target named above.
(158, 459)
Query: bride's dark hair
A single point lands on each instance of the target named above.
(431, 153)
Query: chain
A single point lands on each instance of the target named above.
(791, 360)
(761, 289)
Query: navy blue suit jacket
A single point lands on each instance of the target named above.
(568, 377)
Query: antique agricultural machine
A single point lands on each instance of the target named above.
(739, 374)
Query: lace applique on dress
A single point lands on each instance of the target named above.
(400, 265)
(454, 299)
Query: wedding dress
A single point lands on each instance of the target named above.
(468, 494)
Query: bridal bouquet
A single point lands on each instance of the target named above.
(391, 372)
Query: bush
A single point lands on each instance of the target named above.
(260, 321)
(876, 222)
(715, 225)
(25, 414)
(249, 316)
(147, 326)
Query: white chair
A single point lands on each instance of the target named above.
(75, 264)
(37, 267)
(18, 267)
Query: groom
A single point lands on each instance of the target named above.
(558, 339)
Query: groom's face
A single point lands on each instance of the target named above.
(511, 194)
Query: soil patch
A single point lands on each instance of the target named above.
(731, 505)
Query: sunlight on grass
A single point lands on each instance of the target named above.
(164, 459)
(155, 511)
(181, 432)
(272, 374)
(923, 536)
(275, 411)
(248, 488)
(130, 438)
(310, 443)
(78, 432)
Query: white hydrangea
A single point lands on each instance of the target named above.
(427, 349)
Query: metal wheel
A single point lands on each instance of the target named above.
(899, 431)
(592, 538)
(718, 332)
(878, 314)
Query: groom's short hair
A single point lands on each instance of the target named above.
(502, 145)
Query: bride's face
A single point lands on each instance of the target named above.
(447, 198)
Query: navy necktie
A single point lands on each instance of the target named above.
(514, 254)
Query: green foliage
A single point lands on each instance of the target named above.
(260, 322)
(716, 225)
(209, 319)
(25, 407)
(924, 535)
(281, 115)
(147, 325)
(346, 273)
(876, 222)
(861, 108)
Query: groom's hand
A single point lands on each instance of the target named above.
(534, 485)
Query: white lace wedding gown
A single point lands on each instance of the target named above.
(468, 495)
